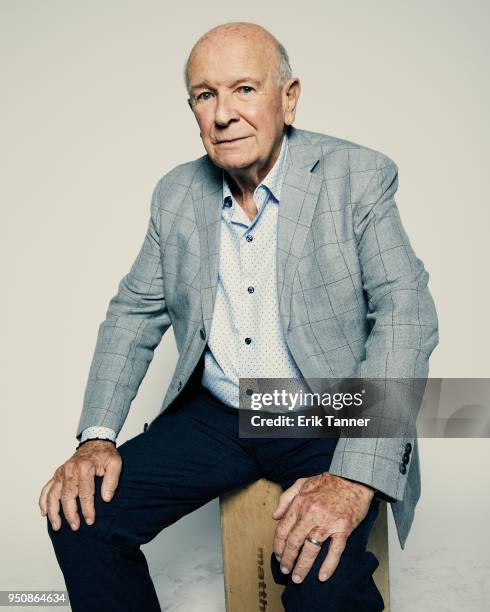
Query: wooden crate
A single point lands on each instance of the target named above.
(247, 531)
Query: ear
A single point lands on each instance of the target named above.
(291, 91)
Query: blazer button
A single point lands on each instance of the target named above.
(203, 333)
(406, 458)
(408, 447)
(403, 468)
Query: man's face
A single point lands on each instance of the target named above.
(234, 95)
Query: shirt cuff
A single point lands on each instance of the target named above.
(98, 432)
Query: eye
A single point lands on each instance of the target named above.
(246, 88)
(204, 93)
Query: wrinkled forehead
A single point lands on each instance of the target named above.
(223, 60)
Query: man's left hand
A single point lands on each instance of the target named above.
(323, 506)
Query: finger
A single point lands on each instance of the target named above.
(283, 529)
(69, 494)
(305, 561)
(294, 542)
(286, 498)
(53, 504)
(43, 498)
(335, 550)
(111, 478)
(86, 492)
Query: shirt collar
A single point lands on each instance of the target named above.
(274, 179)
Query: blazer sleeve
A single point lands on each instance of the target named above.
(136, 319)
(403, 331)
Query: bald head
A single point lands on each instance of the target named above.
(242, 33)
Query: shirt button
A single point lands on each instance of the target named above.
(250, 289)
(248, 340)
(249, 238)
(249, 391)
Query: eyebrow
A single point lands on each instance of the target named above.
(241, 80)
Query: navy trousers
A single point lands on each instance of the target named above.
(189, 455)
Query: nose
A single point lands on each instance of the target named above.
(225, 111)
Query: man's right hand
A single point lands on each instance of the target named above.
(76, 478)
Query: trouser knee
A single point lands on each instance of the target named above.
(104, 516)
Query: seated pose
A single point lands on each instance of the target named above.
(278, 253)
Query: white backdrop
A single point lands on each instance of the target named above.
(94, 112)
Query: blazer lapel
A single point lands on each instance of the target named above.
(299, 195)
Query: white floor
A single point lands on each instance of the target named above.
(441, 580)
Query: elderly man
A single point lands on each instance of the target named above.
(279, 253)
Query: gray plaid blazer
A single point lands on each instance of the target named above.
(353, 296)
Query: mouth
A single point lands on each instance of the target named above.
(231, 140)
